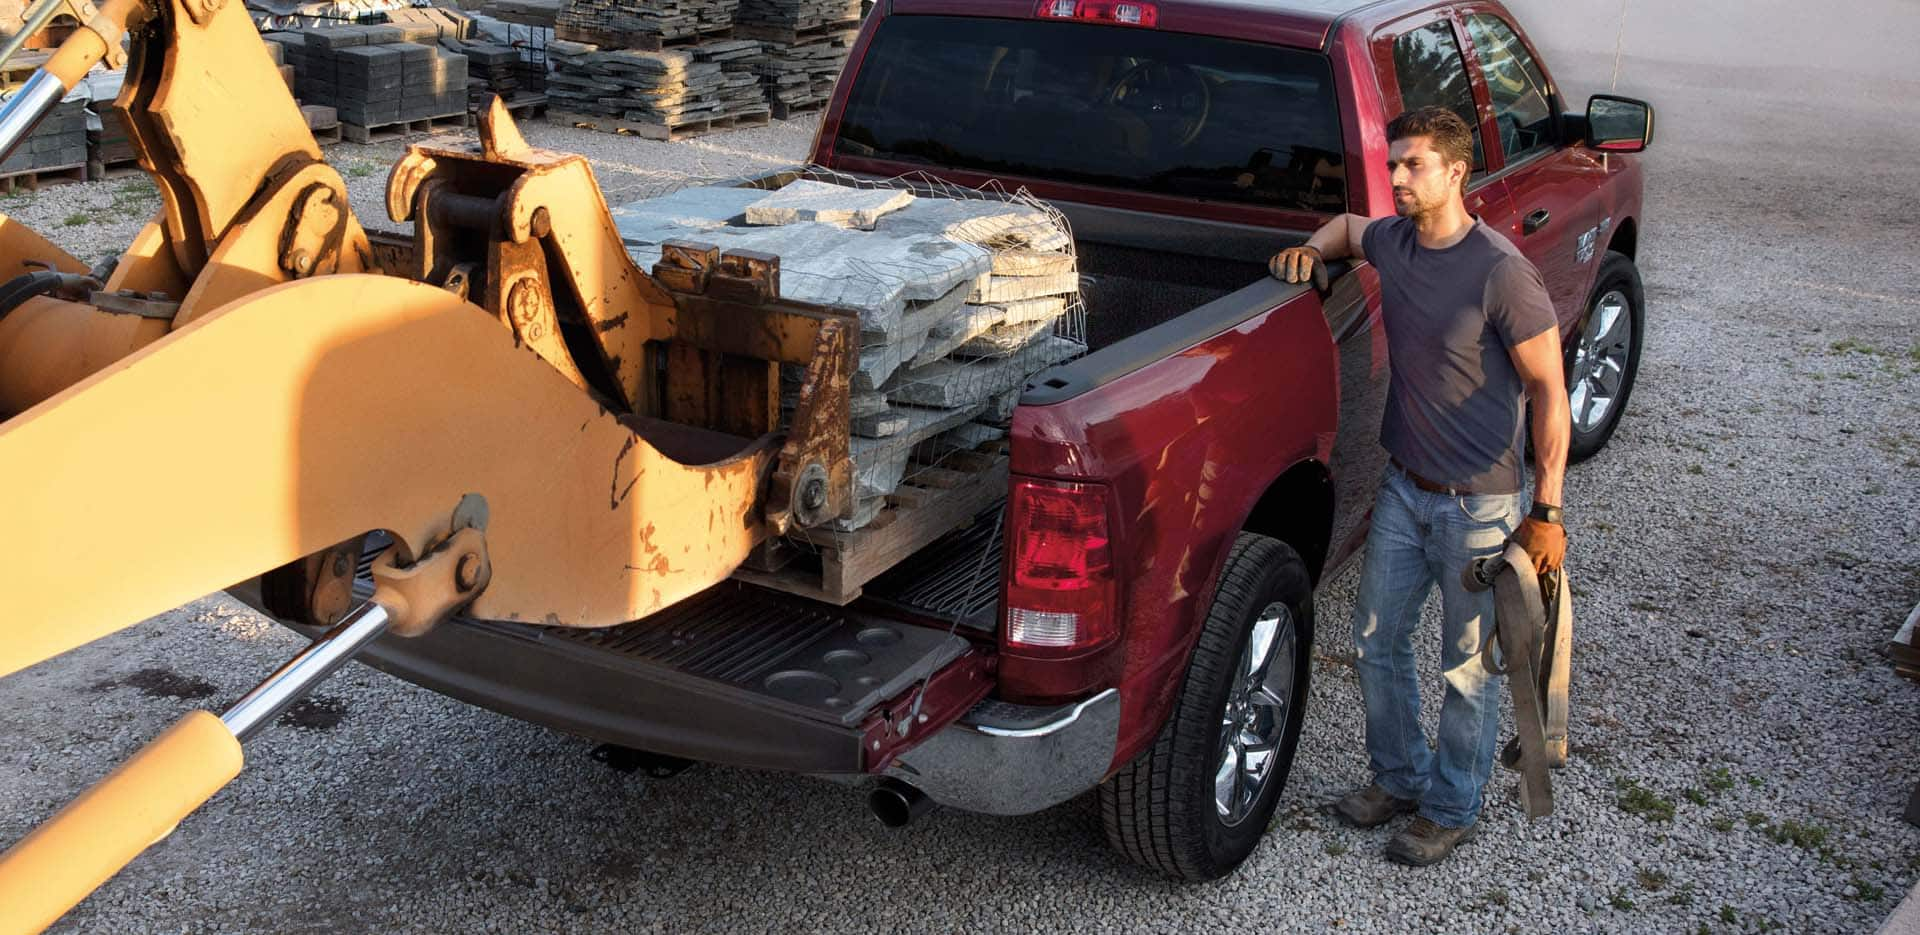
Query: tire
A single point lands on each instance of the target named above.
(1161, 810)
(1597, 364)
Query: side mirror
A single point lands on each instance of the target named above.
(1618, 124)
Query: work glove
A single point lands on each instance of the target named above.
(1546, 544)
(1294, 264)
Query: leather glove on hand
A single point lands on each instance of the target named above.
(1294, 264)
(1546, 544)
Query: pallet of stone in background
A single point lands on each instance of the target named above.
(644, 25)
(494, 71)
(669, 94)
(524, 12)
(807, 43)
(57, 151)
(110, 149)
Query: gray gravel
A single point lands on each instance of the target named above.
(1742, 551)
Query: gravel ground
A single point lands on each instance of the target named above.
(1742, 551)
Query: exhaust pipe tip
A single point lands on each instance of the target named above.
(897, 804)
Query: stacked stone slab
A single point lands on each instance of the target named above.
(491, 70)
(377, 75)
(798, 72)
(59, 142)
(642, 23)
(960, 301)
(664, 90)
(796, 15)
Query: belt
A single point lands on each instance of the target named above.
(1437, 487)
(1533, 629)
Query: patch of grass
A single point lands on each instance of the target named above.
(1635, 799)
(360, 170)
(78, 218)
(1756, 782)
(1756, 821)
(1807, 837)
(1720, 780)
(1727, 914)
(135, 197)
(1335, 849)
(1621, 901)
(1722, 824)
(1868, 893)
(1695, 796)
(1682, 896)
(1495, 897)
(1851, 346)
(1651, 880)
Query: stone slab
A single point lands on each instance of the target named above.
(827, 203)
(995, 224)
(1020, 261)
(1015, 288)
(957, 384)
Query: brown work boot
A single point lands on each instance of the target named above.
(1370, 807)
(1423, 843)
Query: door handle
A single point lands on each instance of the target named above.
(1535, 221)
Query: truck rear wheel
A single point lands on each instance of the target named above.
(1195, 804)
(1602, 363)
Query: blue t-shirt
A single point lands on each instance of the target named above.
(1455, 404)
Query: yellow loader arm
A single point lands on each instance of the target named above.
(546, 432)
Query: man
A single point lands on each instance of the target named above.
(1470, 331)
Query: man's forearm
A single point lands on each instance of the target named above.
(1333, 238)
(1551, 435)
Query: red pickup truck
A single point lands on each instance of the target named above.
(1137, 617)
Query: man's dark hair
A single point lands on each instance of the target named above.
(1451, 136)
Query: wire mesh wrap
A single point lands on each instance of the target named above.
(963, 295)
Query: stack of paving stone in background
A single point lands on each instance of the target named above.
(642, 24)
(59, 142)
(807, 44)
(492, 70)
(373, 76)
(662, 95)
(960, 301)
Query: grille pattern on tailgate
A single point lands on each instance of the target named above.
(716, 635)
(956, 578)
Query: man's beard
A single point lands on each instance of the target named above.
(1413, 206)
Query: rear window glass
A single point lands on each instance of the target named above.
(1115, 106)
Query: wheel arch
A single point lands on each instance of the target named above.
(1626, 239)
(1297, 509)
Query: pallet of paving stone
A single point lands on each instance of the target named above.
(24, 63)
(643, 24)
(937, 497)
(322, 121)
(524, 12)
(798, 77)
(786, 32)
(668, 94)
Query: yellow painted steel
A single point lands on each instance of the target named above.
(311, 412)
(139, 803)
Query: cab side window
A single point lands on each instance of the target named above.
(1430, 71)
(1522, 101)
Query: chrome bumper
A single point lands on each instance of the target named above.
(1007, 759)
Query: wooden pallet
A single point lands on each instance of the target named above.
(787, 35)
(637, 41)
(399, 129)
(32, 179)
(785, 111)
(326, 135)
(933, 501)
(114, 169)
(655, 131)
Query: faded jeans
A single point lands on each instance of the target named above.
(1419, 538)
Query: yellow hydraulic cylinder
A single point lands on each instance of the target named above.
(139, 803)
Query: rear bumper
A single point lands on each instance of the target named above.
(1007, 759)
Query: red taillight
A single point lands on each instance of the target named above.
(1123, 12)
(1060, 581)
